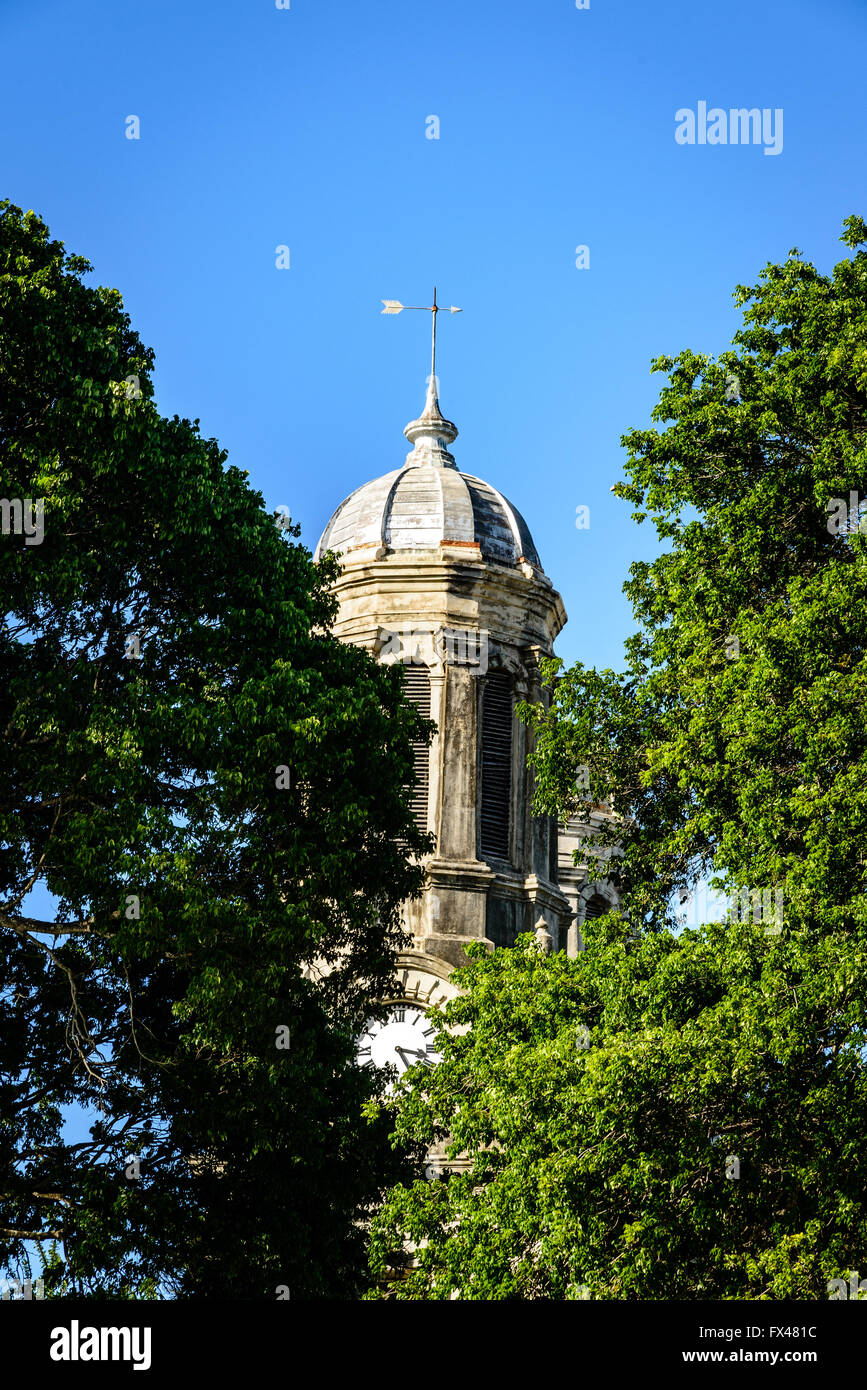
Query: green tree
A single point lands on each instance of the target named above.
(733, 746)
(215, 791)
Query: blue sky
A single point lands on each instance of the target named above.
(306, 127)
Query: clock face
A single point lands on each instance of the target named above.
(404, 1038)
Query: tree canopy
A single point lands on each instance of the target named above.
(681, 1114)
(215, 791)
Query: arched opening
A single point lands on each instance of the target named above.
(596, 906)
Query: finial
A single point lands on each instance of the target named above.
(544, 939)
(431, 433)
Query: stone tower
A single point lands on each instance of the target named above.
(441, 574)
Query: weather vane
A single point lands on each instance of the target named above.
(394, 306)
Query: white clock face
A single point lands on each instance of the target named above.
(404, 1038)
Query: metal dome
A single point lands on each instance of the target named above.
(428, 502)
(418, 508)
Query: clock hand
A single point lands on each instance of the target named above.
(413, 1052)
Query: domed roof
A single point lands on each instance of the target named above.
(417, 508)
(428, 502)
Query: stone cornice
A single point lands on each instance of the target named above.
(453, 582)
(460, 873)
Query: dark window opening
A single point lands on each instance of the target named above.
(496, 766)
(596, 907)
(553, 849)
(502, 934)
(417, 684)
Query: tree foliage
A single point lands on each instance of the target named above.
(733, 742)
(662, 1118)
(215, 791)
(602, 1102)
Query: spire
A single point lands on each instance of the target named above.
(431, 433)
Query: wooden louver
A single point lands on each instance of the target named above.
(417, 680)
(496, 765)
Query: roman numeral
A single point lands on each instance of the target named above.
(431, 1048)
(364, 1052)
(428, 1032)
(399, 1015)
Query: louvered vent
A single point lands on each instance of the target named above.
(417, 682)
(596, 906)
(500, 933)
(496, 765)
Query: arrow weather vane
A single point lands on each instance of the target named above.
(394, 306)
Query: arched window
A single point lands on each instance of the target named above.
(496, 765)
(596, 907)
(417, 683)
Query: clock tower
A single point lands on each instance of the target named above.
(440, 574)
